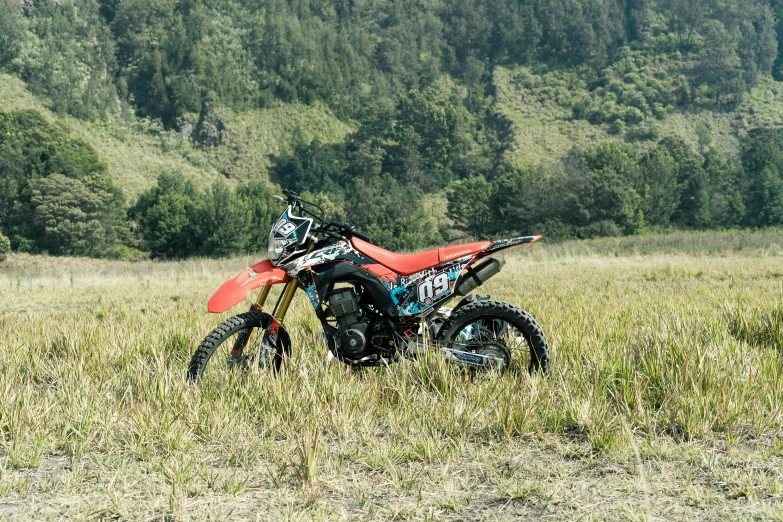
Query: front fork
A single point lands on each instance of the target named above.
(271, 332)
(272, 329)
(269, 340)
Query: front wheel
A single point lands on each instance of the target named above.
(499, 329)
(235, 345)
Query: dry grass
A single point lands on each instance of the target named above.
(664, 402)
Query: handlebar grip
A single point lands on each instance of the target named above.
(363, 237)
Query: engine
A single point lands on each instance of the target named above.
(359, 334)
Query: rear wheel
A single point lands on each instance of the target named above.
(498, 329)
(235, 345)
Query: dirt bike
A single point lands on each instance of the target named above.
(374, 306)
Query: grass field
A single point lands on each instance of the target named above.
(664, 401)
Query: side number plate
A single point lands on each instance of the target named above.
(433, 287)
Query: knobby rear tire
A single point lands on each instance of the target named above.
(226, 330)
(513, 315)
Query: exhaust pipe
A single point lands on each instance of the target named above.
(477, 275)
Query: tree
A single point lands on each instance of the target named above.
(315, 167)
(692, 184)
(610, 196)
(525, 199)
(637, 13)
(70, 219)
(758, 46)
(391, 214)
(469, 206)
(777, 10)
(166, 214)
(13, 30)
(425, 139)
(762, 163)
(55, 194)
(719, 66)
(660, 190)
(615, 201)
(69, 58)
(256, 197)
(223, 222)
(727, 205)
(686, 17)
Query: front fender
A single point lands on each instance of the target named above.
(238, 289)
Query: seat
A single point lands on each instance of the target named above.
(407, 264)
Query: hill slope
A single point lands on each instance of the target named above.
(544, 131)
(137, 151)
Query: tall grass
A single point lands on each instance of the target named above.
(750, 243)
(656, 360)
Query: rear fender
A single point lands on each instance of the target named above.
(509, 243)
(236, 290)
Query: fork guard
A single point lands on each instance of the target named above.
(236, 290)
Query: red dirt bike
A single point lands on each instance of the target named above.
(375, 306)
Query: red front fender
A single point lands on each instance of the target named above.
(238, 289)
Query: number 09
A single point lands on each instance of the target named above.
(434, 287)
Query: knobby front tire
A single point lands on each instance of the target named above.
(222, 339)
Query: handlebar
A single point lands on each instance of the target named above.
(296, 201)
(341, 230)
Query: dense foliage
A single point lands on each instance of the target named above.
(609, 190)
(174, 59)
(5, 247)
(56, 197)
(176, 219)
(55, 194)
(415, 81)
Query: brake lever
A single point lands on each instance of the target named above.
(281, 198)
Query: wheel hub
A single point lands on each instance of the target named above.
(497, 353)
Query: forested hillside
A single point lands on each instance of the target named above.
(162, 126)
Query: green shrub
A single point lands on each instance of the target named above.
(5, 247)
(617, 127)
(602, 228)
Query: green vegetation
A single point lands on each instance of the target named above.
(552, 116)
(136, 151)
(55, 195)
(5, 247)
(663, 399)
(176, 219)
(182, 61)
(610, 190)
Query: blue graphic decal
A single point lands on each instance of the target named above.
(468, 357)
(408, 298)
(398, 293)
